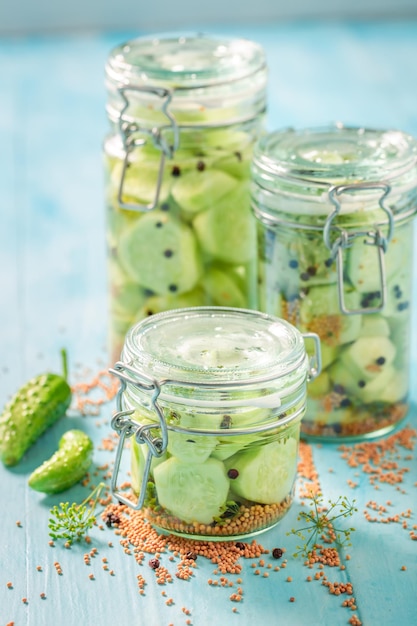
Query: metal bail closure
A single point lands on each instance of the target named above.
(128, 131)
(315, 359)
(345, 239)
(127, 427)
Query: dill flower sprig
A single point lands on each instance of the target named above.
(72, 521)
(323, 523)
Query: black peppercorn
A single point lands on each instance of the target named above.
(277, 553)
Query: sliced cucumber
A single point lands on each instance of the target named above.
(265, 474)
(189, 447)
(231, 444)
(192, 492)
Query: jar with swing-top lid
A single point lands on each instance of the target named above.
(184, 113)
(211, 400)
(334, 208)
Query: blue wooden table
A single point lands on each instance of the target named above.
(53, 294)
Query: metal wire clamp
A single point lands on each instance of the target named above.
(127, 427)
(345, 240)
(129, 131)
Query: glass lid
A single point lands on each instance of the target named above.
(186, 61)
(215, 345)
(337, 153)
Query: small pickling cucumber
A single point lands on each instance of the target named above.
(34, 408)
(66, 466)
(193, 492)
(266, 473)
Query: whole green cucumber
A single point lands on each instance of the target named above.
(34, 408)
(66, 466)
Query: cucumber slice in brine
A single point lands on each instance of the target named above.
(193, 492)
(189, 447)
(266, 473)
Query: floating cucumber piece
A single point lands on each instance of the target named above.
(265, 474)
(196, 191)
(210, 420)
(118, 220)
(222, 289)
(399, 290)
(373, 390)
(157, 304)
(227, 230)
(400, 337)
(284, 264)
(237, 164)
(396, 389)
(243, 419)
(127, 300)
(140, 183)
(299, 263)
(368, 356)
(160, 253)
(342, 378)
(320, 386)
(192, 492)
(328, 354)
(226, 139)
(189, 447)
(363, 262)
(388, 385)
(374, 325)
(320, 313)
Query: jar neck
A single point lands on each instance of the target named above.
(356, 208)
(149, 107)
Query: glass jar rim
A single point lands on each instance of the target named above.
(187, 61)
(216, 349)
(309, 162)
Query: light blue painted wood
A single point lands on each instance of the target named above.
(53, 293)
(24, 16)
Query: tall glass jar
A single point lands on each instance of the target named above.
(184, 114)
(334, 208)
(212, 399)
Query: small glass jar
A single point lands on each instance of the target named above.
(184, 114)
(212, 398)
(335, 235)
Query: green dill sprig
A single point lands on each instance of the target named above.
(72, 521)
(322, 523)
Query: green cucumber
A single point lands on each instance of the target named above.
(33, 409)
(266, 473)
(193, 492)
(66, 466)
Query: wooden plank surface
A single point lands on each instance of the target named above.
(53, 294)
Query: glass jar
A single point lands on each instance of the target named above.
(184, 114)
(334, 208)
(212, 398)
